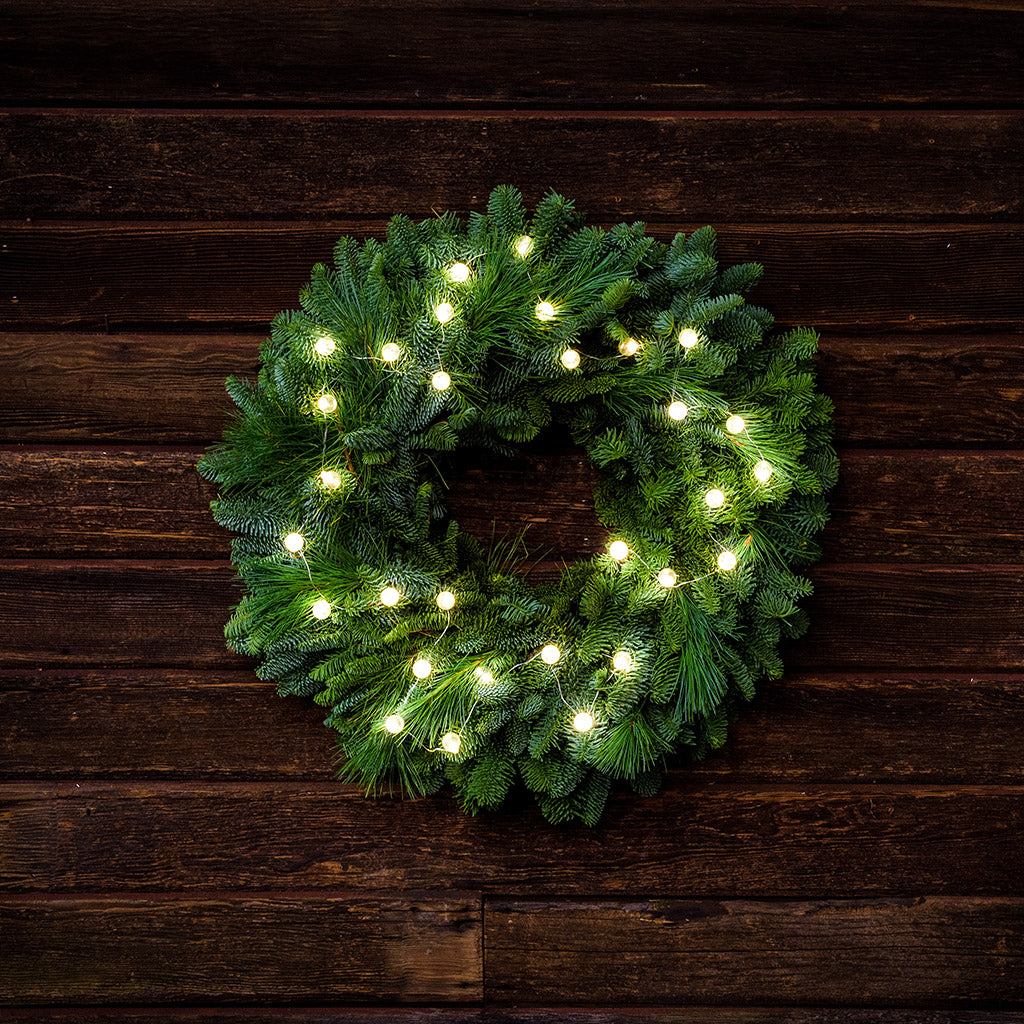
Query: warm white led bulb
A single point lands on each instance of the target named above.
(583, 721)
(622, 662)
(715, 498)
(688, 337)
(667, 578)
(421, 668)
(330, 478)
(570, 358)
(524, 246)
(390, 352)
(545, 311)
(446, 600)
(677, 411)
(327, 403)
(322, 609)
(484, 675)
(293, 543)
(444, 311)
(458, 272)
(726, 561)
(389, 597)
(629, 347)
(619, 550)
(550, 654)
(394, 724)
(452, 742)
(324, 346)
(441, 381)
(734, 424)
(763, 471)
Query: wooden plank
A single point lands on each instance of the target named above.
(829, 275)
(899, 165)
(894, 952)
(269, 949)
(429, 54)
(865, 617)
(135, 723)
(780, 841)
(169, 389)
(943, 507)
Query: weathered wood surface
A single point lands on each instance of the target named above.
(695, 951)
(173, 723)
(563, 54)
(267, 949)
(772, 165)
(726, 840)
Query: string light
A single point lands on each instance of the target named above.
(441, 381)
(583, 721)
(324, 346)
(622, 662)
(389, 597)
(734, 424)
(294, 542)
(545, 311)
(763, 471)
(444, 311)
(390, 352)
(677, 411)
(715, 498)
(452, 742)
(550, 654)
(322, 609)
(330, 478)
(524, 246)
(726, 561)
(484, 675)
(667, 578)
(458, 272)
(688, 337)
(619, 550)
(629, 347)
(394, 724)
(421, 668)
(570, 358)
(327, 403)
(446, 600)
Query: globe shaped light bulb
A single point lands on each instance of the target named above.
(327, 403)
(688, 337)
(390, 352)
(763, 471)
(446, 600)
(452, 742)
(330, 478)
(629, 347)
(667, 578)
(421, 668)
(524, 246)
(394, 724)
(726, 561)
(570, 358)
(550, 654)
(485, 675)
(322, 609)
(324, 346)
(677, 411)
(583, 721)
(444, 311)
(294, 542)
(619, 550)
(714, 498)
(622, 662)
(735, 425)
(441, 381)
(458, 272)
(390, 596)
(545, 311)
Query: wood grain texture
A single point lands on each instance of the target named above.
(730, 841)
(898, 952)
(837, 276)
(950, 390)
(427, 54)
(269, 949)
(804, 729)
(904, 165)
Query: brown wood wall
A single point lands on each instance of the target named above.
(174, 845)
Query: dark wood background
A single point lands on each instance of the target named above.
(174, 845)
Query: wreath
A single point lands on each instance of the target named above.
(436, 659)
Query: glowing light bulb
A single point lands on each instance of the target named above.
(452, 742)
(421, 668)
(763, 471)
(322, 609)
(458, 272)
(715, 498)
(446, 600)
(545, 311)
(550, 654)
(583, 721)
(327, 403)
(629, 347)
(331, 479)
(324, 346)
(394, 724)
(441, 381)
(677, 411)
(688, 337)
(444, 311)
(389, 597)
(570, 358)
(622, 662)
(484, 675)
(293, 543)
(390, 352)
(619, 550)
(667, 578)
(734, 424)
(524, 246)
(726, 561)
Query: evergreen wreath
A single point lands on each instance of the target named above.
(436, 661)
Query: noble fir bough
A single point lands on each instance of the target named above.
(435, 662)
